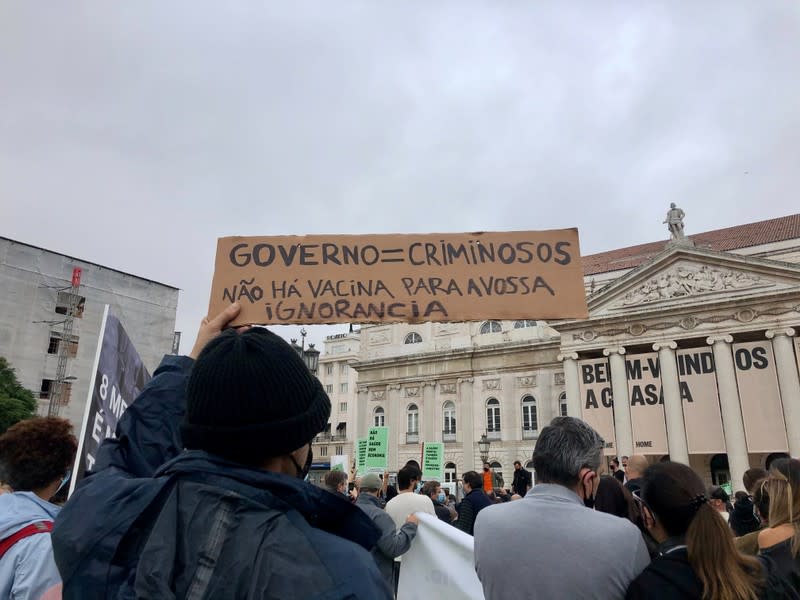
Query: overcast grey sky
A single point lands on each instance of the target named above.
(134, 134)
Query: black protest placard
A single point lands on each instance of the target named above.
(118, 378)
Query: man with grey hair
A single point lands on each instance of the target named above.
(563, 536)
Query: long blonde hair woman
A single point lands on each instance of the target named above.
(780, 542)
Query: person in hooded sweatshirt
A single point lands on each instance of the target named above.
(35, 458)
(203, 495)
(696, 556)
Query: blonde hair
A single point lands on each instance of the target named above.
(783, 487)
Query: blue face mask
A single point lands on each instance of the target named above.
(441, 498)
(64, 481)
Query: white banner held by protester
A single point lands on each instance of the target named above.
(440, 564)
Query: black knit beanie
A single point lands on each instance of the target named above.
(250, 397)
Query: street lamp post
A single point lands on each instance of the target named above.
(483, 447)
(309, 355)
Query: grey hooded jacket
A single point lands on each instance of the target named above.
(393, 542)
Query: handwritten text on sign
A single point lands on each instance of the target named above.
(403, 278)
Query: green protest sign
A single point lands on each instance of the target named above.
(727, 488)
(377, 449)
(361, 456)
(339, 462)
(433, 461)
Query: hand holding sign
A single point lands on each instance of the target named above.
(209, 329)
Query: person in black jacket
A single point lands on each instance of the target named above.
(202, 493)
(696, 557)
(473, 503)
(522, 479)
(743, 519)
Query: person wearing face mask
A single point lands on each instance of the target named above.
(35, 457)
(433, 489)
(559, 528)
(202, 493)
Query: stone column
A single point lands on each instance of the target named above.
(467, 425)
(395, 421)
(572, 384)
(362, 413)
(789, 383)
(673, 405)
(622, 404)
(429, 412)
(732, 423)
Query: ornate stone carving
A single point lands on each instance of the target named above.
(393, 386)
(682, 281)
(379, 337)
(412, 392)
(558, 378)
(526, 381)
(491, 384)
(466, 379)
(447, 388)
(746, 315)
(378, 395)
(688, 322)
(445, 328)
(637, 329)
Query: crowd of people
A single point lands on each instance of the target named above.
(203, 494)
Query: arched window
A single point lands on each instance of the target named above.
(491, 327)
(449, 414)
(413, 338)
(493, 418)
(720, 471)
(530, 418)
(524, 324)
(562, 404)
(450, 473)
(412, 419)
(378, 417)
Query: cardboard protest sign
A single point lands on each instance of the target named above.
(433, 461)
(597, 405)
(117, 379)
(377, 449)
(400, 278)
(361, 456)
(760, 397)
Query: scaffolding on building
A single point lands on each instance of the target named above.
(60, 382)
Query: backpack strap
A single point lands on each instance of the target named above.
(25, 532)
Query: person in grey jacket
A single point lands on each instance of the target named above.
(560, 529)
(393, 542)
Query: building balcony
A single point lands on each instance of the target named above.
(448, 436)
(322, 437)
(530, 434)
(412, 437)
(339, 437)
(493, 435)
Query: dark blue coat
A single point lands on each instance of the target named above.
(154, 521)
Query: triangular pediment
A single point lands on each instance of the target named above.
(683, 276)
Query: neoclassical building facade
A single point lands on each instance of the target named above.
(690, 351)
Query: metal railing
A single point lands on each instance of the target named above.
(448, 436)
(412, 437)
